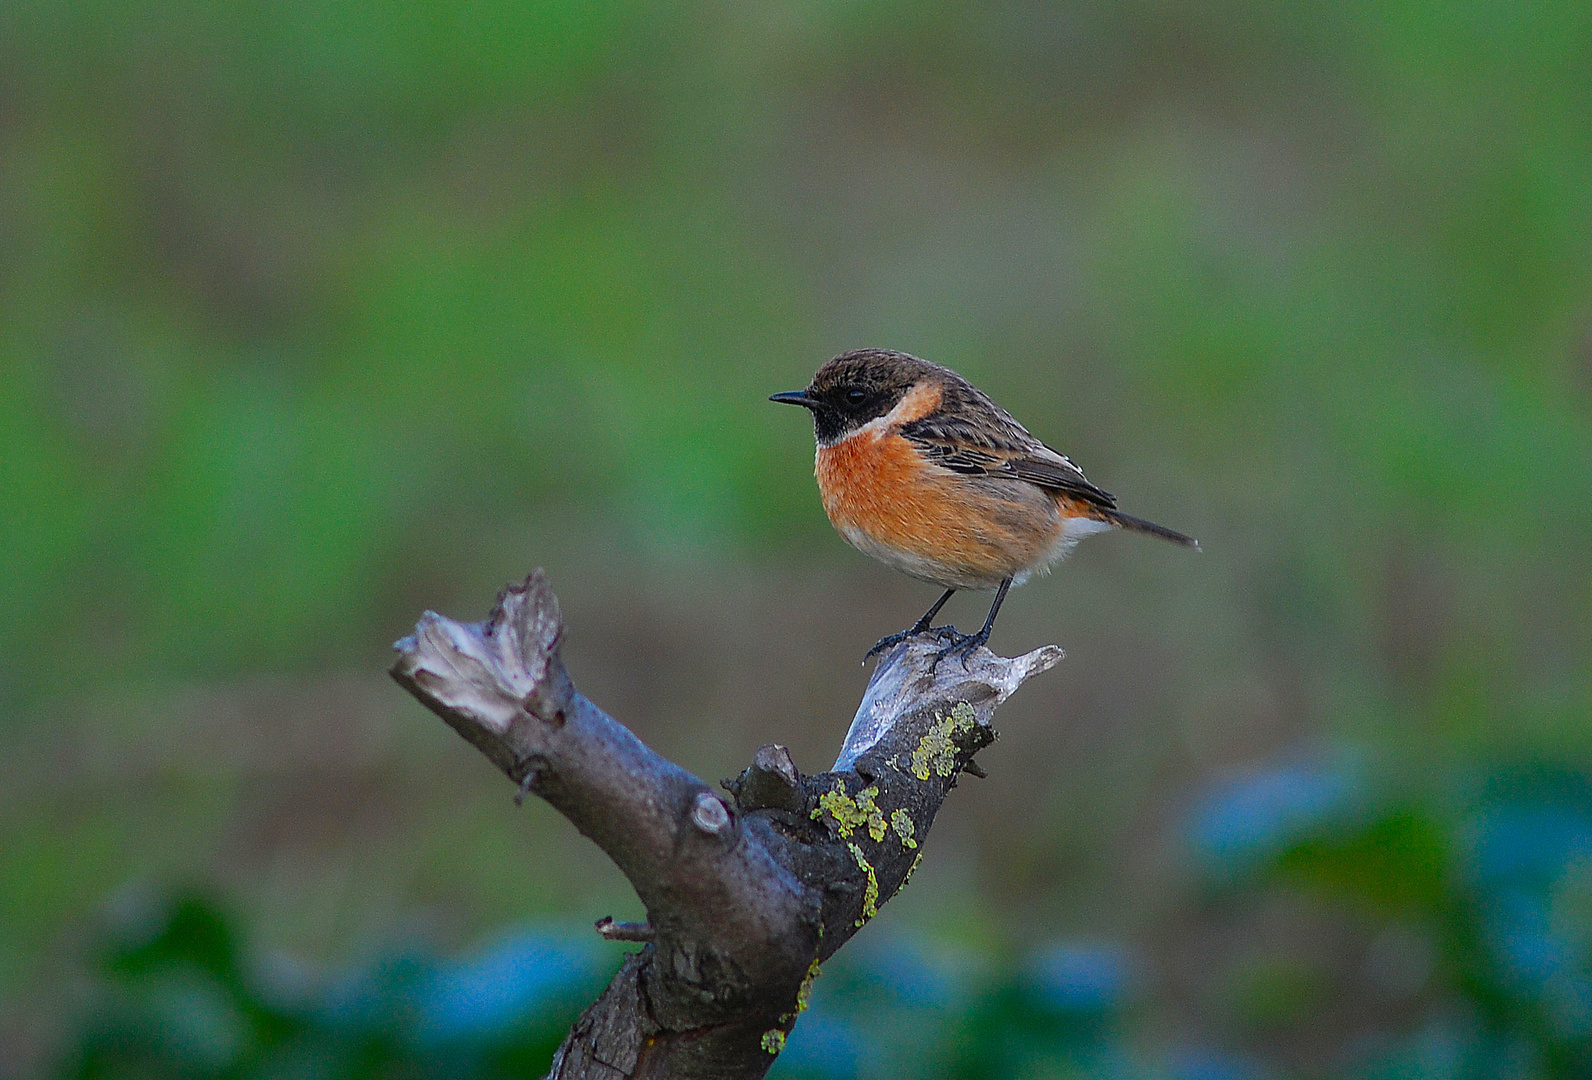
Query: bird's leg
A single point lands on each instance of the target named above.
(966, 643)
(922, 626)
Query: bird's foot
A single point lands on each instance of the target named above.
(960, 643)
(940, 633)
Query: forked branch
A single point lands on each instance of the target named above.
(745, 897)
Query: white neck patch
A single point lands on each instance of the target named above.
(915, 404)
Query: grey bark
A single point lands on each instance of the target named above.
(745, 897)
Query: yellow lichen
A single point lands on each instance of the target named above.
(804, 991)
(865, 803)
(870, 895)
(842, 809)
(773, 1040)
(902, 824)
(910, 871)
(936, 752)
(850, 814)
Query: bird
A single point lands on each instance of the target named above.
(920, 469)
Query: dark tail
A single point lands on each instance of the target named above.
(1133, 524)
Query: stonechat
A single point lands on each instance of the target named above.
(920, 469)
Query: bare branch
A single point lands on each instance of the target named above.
(742, 901)
(624, 931)
(770, 781)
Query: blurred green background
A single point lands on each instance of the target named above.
(316, 315)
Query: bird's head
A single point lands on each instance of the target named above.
(858, 387)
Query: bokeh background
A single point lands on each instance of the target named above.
(317, 315)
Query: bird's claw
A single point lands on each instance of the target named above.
(939, 633)
(961, 643)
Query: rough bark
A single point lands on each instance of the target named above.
(745, 897)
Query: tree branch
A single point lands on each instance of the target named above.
(745, 900)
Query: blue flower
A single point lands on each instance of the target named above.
(1252, 818)
(1081, 976)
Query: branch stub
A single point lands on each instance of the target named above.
(709, 814)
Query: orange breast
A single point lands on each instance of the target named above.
(888, 502)
(873, 484)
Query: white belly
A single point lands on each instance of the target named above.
(917, 566)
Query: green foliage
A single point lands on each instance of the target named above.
(1478, 958)
(180, 1001)
(1395, 866)
(282, 282)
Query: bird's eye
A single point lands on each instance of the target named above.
(855, 396)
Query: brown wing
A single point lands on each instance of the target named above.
(970, 434)
(1058, 473)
